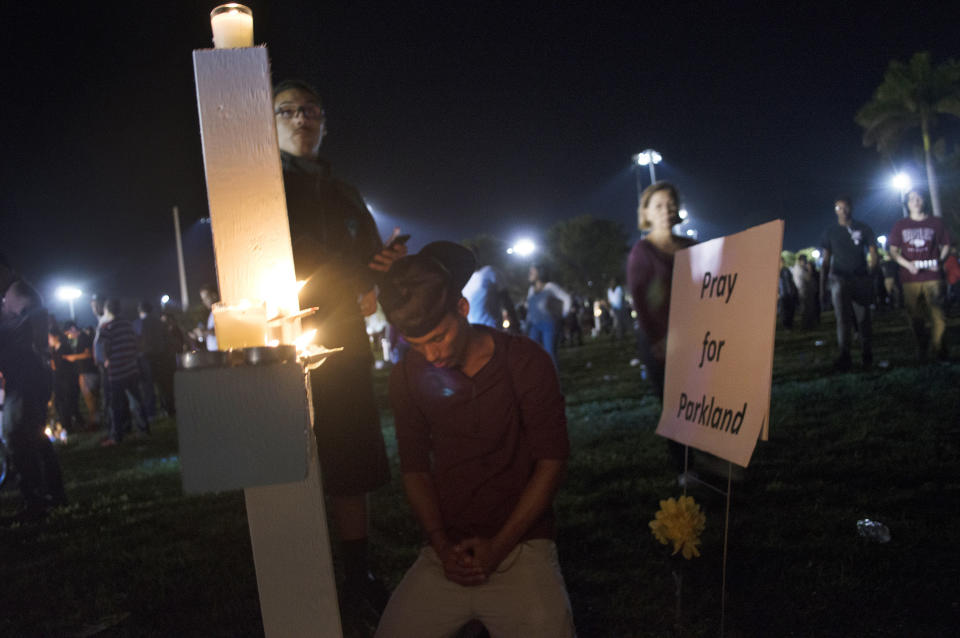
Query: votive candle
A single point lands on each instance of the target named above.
(232, 26)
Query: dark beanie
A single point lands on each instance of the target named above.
(419, 290)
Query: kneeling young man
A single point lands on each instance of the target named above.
(482, 437)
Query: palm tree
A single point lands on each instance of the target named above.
(911, 95)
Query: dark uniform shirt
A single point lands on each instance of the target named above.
(848, 246)
(334, 238)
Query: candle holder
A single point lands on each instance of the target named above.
(232, 26)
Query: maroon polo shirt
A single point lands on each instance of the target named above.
(920, 241)
(480, 437)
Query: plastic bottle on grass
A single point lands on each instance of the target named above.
(873, 530)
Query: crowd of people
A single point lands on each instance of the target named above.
(60, 379)
(478, 408)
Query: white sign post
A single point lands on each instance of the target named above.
(723, 306)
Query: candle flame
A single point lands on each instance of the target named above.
(280, 289)
(304, 340)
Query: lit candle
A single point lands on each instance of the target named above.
(243, 325)
(232, 26)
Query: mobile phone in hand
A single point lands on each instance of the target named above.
(399, 240)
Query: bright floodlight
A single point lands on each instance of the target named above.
(523, 247)
(691, 232)
(165, 299)
(902, 182)
(683, 213)
(882, 240)
(68, 293)
(647, 157)
(815, 253)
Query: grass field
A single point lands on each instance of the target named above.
(133, 556)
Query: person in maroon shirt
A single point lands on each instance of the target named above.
(482, 437)
(920, 244)
(649, 277)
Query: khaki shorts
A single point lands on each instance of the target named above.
(525, 598)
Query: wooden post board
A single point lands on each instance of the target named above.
(254, 256)
(723, 307)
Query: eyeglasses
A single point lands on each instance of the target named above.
(309, 111)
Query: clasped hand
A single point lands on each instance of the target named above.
(471, 561)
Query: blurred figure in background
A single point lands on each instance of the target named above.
(81, 356)
(786, 296)
(920, 244)
(619, 312)
(547, 305)
(96, 306)
(175, 339)
(123, 373)
(806, 291)
(849, 259)
(204, 334)
(891, 281)
(66, 381)
(28, 383)
(815, 284)
(649, 278)
(573, 331)
(155, 366)
(489, 299)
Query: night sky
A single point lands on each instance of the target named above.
(452, 120)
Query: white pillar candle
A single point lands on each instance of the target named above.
(232, 26)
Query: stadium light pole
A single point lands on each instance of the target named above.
(69, 294)
(648, 158)
(184, 296)
(902, 182)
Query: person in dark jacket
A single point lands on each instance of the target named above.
(787, 296)
(28, 383)
(337, 251)
(66, 381)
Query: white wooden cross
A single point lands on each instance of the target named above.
(254, 258)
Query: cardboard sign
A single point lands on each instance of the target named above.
(723, 310)
(242, 427)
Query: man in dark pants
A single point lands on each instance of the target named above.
(337, 251)
(849, 260)
(82, 357)
(157, 364)
(120, 354)
(28, 383)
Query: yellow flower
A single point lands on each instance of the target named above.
(680, 522)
